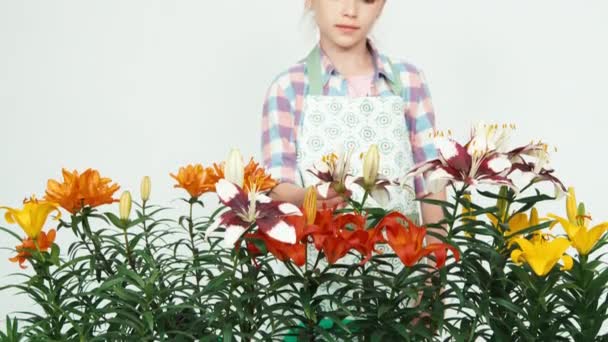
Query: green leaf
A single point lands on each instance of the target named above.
(116, 221)
(149, 320)
(443, 204)
(227, 333)
(55, 254)
(12, 233)
(508, 305)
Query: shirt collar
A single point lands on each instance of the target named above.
(381, 64)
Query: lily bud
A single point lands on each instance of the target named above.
(371, 163)
(571, 209)
(234, 170)
(501, 203)
(582, 217)
(125, 205)
(310, 205)
(534, 219)
(145, 189)
(467, 209)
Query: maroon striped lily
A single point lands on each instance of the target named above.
(474, 163)
(252, 208)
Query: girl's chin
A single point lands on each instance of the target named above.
(346, 41)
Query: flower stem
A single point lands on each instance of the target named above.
(128, 250)
(97, 254)
(146, 232)
(197, 273)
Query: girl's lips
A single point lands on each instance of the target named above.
(347, 28)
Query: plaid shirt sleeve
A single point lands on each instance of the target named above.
(421, 122)
(278, 146)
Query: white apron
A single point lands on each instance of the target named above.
(331, 122)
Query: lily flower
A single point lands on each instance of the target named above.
(255, 178)
(517, 222)
(281, 250)
(532, 161)
(32, 217)
(480, 160)
(247, 209)
(44, 242)
(542, 255)
(195, 179)
(408, 241)
(79, 190)
(577, 228)
(335, 235)
(332, 171)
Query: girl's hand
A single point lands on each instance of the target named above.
(333, 199)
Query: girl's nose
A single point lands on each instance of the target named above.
(349, 8)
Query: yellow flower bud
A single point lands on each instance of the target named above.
(234, 171)
(534, 220)
(571, 209)
(502, 203)
(145, 189)
(466, 212)
(310, 204)
(371, 163)
(125, 205)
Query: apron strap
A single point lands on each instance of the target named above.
(397, 85)
(315, 84)
(313, 65)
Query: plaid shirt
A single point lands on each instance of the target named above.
(282, 111)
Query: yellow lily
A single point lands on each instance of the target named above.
(519, 222)
(542, 255)
(33, 215)
(583, 238)
(577, 224)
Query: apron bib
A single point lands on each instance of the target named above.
(329, 123)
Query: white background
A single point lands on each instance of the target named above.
(137, 88)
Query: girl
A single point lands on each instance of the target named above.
(348, 95)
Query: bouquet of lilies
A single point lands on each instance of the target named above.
(254, 268)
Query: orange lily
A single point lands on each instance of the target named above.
(337, 235)
(80, 190)
(196, 179)
(407, 242)
(255, 177)
(44, 241)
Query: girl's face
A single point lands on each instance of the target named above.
(345, 22)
